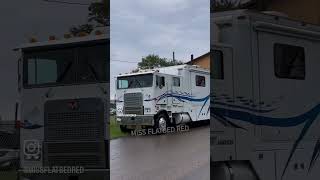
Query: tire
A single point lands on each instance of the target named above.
(124, 129)
(232, 171)
(161, 123)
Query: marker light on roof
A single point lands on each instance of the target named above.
(67, 36)
(98, 33)
(82, 34)
(52, 38)
(33, 40)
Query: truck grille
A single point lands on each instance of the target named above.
(75, 136)
(68, 154)
(133, 103)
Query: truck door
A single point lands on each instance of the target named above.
(162, 89)
(177, 91)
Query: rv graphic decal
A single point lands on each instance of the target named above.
(182, 97)
(308, 118)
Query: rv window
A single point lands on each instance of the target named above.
(200, 81)
(217, 64)
(176, 81)
(289, 61)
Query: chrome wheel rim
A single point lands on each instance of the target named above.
(162, 124)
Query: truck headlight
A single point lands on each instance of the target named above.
(118, 120)
(32, 150)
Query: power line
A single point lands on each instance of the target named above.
(65, 2)
(125, 61)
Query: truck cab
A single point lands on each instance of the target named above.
(64, 107)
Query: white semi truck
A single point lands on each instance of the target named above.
(163, 97)
(63, 108)
(265, 97)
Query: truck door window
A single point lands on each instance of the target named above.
(200, 81)
(289, 61)
(160, 81)
(217, 64)
(176, 81)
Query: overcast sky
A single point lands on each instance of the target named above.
(142, 27)
(20, 20)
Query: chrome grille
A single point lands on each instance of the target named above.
(75, 136)
(67, 154)
(133, 103)
(73, 125)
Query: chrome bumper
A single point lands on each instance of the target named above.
(142, 120)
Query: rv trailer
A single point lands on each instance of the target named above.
(162, 97)
(63, 108)
(265, 97)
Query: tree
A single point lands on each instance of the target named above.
(99, 16)
(153, 60)
(227, 5)
(223, 5)
(99, 13)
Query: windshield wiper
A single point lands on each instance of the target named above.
(138, 83)
(64, 73)
(93, 72)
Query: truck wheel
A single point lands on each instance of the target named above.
(232, 171)
(161, 124)
(124, 129)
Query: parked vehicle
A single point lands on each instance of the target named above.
(9, 146)
(63, 108)
(163, 97)
(265, 97)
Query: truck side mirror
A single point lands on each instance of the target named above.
(19, 73)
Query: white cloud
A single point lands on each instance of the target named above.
(143, 27)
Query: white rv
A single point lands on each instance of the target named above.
(63, 109)
(265, 97)
(163, 97)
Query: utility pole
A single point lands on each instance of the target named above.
(173, 57)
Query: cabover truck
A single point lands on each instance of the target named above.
(265, 97)
(63, 108)
(162, 97)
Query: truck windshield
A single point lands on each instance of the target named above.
(136, 81)
(85, 64)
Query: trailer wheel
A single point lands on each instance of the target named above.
(161, 124)
(124, 129)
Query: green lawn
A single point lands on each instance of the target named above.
(10, 175)
(115, 131)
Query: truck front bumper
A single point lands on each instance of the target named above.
(136, 120)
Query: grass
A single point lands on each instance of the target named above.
(115, 131)
(8, 175)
